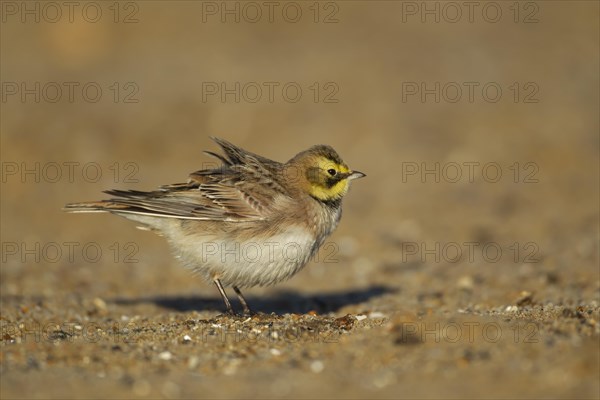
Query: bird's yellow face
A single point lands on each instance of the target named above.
(321, 173)
(329, 180)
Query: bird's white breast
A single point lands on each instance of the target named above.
(255, 262)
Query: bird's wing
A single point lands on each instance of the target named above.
(203, 202)
(242, 189)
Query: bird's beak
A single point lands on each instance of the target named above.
(356, 175)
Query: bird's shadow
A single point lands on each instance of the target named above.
(281, 302)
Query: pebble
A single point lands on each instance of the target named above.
(465, 283)
(317, 366)
(346, 322)
(193, 362)
(524, 299)
(99, 304)
(275, 352)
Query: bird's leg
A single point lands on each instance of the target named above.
(224, 296)
(240, 296)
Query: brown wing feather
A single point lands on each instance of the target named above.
(242, 189)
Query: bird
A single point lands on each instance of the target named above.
(250, 221)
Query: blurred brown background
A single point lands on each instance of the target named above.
(378, 81)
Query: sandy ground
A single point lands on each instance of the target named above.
(466, 264)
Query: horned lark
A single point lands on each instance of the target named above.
(252, 221)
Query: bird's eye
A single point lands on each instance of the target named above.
(331, 171)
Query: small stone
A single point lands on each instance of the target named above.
(232, 367)
(524, 299)
(99, 304)
(346, 322)
(275, 352)
(317, 366)
(165, 355)
(193, 362)
(465, 283)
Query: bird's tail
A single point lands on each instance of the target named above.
(146, 219)
(95, 206)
